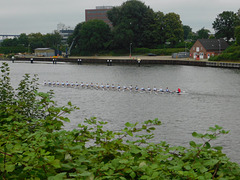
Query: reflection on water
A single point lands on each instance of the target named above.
(213, 97)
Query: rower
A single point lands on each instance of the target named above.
(107, 86)
(97, 86)
(179, 90)
(44, 83)
(67, 84)
(142, 89)
(49, 83)
(87, 85)
(167, 90)
(82, 85)
(102, 86)
(63, 84)
(130, 87)
(113, 87)
(149, 89)
(119, 87)
(76, 84)
(91, 85)
(136, 88)
(154, 89)
(58, 83)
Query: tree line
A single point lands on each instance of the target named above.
(133, 24)
(27, 43)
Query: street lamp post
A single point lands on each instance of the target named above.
(130, 55)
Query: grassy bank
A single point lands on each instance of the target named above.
(230, 54)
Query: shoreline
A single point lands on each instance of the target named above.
(138, 60)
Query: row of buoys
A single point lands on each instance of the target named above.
(108, 87)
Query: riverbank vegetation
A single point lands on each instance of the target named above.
(34, 145)
(232, 53)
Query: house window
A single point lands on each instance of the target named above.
(197, 49)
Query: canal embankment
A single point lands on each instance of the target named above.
(138, 60)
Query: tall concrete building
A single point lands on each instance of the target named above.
(99, 13)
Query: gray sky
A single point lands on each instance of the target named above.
(32, 16)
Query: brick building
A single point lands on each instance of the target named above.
(204, 48)
(99, 13)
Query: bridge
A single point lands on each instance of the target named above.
(8, 36)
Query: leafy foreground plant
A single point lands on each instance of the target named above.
(34, 146)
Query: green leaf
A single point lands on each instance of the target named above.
(203, 169)
(133, 175)
(194, 134)
(86, 174)
(207, 145)
(192, 143)
(211, 162)
(56, 163)
(10, 167)
(59, 176)
(219, 148)
(130, 133)
(142, 164)
(128, 124)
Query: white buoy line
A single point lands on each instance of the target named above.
(98, 86)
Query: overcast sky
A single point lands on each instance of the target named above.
(32, 16)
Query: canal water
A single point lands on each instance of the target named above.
(212, 97)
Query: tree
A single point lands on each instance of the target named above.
(52, 40)
(131, 24)
(203, 33)
(91, 37)
(173, 28)
(9, 42)
(157, 32)
(23, 40)
(35, 41)
(186, 31)
(74, 39)
(237, 35)
(225, 24)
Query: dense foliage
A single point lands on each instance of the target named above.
(90, 37)
(13, 49)
(232, 53)
(225, 23)
(27, 43)
(203, 33)
(237, 35)
(134, 22)
(33, 144)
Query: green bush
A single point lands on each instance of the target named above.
(232, 53)
(16, 49)
(226, 57)
(33, 144)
